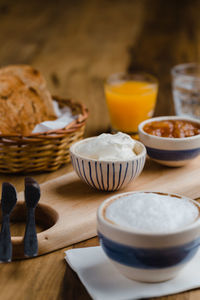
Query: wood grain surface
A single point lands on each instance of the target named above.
(76, 45)
(66, 213)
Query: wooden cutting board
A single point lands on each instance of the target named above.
(68, 206)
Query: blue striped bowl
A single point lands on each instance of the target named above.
(107, 175)
(144, 256)
(173, 152)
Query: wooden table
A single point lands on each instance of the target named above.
(76, 45)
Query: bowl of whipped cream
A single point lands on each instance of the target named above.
(108, 162)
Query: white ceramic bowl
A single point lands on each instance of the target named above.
(147, 257)
(172, 152)
(107, 175)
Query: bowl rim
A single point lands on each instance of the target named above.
(130, 231)
(163, 118)
(73, 147)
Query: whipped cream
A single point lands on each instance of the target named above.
(152, 212)
(119, 146)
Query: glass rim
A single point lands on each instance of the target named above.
(179, 70)
(119, 77)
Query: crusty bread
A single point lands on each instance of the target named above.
(28, 74)
(24, 100)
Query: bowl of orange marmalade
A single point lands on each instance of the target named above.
(171, 140)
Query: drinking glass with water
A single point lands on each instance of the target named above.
(186, 89)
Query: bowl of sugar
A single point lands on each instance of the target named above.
(108, 162)
(149, 236)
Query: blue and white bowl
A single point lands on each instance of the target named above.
(107, 175)
(147, 257)
(173, 152)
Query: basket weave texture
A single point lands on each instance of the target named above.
(42, 151)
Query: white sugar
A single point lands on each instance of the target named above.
(151, 212)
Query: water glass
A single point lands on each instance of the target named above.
(186, 89)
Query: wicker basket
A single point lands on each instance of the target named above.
(42, 151)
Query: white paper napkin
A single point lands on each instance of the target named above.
(103, 281)
(64, 118)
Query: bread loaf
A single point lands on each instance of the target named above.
(24, 100)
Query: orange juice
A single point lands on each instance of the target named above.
(129, 103)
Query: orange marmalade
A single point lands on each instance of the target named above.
(172, 128)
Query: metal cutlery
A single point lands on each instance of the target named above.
(32, 196)
(8, 201)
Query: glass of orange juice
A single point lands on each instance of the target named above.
(131, 99)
